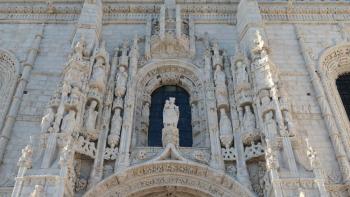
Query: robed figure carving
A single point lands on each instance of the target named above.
(220, 87)
(170, 113)
(170, 132)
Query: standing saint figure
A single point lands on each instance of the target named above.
(68, 122)
(170, 132)
(121, 78)
(98, 78)
(242, 75)
(116, 124)
(248, 119)
(270, 125)
(220, 87)
(170, 113)
(91, 116)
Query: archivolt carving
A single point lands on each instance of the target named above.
(9, 69)
(169, 173)
(334, 62)
(155, 75)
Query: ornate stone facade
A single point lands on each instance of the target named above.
(77, 84)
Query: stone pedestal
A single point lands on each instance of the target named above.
(170, 135)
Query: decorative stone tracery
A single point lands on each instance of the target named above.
(9, 71)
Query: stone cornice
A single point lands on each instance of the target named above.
(113, 12)
(134, 11)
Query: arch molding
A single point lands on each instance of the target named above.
(193, 178)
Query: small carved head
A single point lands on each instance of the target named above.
(121, 69)
(172, 100)
(93, 104)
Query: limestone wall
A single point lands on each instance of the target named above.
(54, 50)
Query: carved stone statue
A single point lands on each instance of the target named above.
(98, 78)
(145, 114)
(26, 158)
(170, 113)
(91, 116)
(217, 58)
(226, 134)
(68, 122)
(74, 77)
(220, 87)
(122, 77)
(248, 119)
(170, 132)
(47, 120)
(38, 191)
(66, 90)
(270, 125)
(241, 75)
(116, 124)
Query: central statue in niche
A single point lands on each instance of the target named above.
(170, 132)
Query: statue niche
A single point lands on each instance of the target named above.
(166, 120)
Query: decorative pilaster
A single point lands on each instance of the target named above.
(191, 25)
(148, 38)
(123, 160)
(178, 21)
(162, 22)
(17, 99)
(334, 134)
(216, 161)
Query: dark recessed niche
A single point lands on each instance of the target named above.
(156, 115)
(343, 85)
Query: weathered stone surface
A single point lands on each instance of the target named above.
(76, 85)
